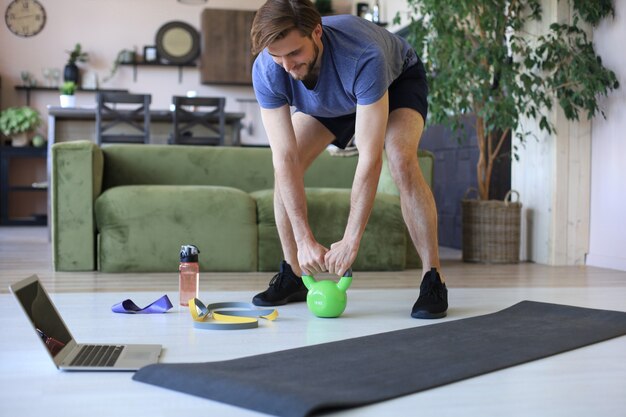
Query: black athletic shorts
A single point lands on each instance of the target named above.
(408, 90)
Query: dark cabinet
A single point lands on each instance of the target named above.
(23, 186)
(226, 56)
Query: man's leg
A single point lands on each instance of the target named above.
(312, 138)
(404, 131)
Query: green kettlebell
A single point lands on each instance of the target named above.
(327, 298)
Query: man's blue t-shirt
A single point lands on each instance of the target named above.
(359, 62)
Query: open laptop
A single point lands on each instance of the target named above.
(66, 353)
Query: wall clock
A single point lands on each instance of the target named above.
(25, 18)
(178, 42)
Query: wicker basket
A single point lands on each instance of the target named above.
(491, 229)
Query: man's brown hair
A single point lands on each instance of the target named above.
(276, 18)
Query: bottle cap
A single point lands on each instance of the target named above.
(189, 253)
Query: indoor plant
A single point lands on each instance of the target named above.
(124, 56)
(480, 60)
(71, 72)
(19, 123)
(67, 97)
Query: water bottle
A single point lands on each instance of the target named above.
(188, 274)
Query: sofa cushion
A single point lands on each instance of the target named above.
(248, 169)
(158, 219)
(383, 243)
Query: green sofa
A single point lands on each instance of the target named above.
(129, 208)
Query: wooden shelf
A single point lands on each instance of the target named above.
(26, 188)
(159, 64)
(36, 220)
(88, 90)
(28, 89)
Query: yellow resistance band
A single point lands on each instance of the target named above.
(219, 316)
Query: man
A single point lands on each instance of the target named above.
(345, 76)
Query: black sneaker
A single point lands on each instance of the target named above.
(285, 287)
(433, 300)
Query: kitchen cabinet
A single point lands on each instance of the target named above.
(226, 56)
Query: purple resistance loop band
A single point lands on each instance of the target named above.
(128, 306)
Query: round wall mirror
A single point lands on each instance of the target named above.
(178, 42)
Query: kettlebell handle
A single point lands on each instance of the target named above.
(308, 280)
(348, 273)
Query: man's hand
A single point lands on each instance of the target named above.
(341, 256)
(311, 257)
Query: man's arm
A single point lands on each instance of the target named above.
(371, 125)
(289, 182)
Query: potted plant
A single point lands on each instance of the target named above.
(71, 72)
(67, 94)
(125, 56)
(19, 123)
(479, 60)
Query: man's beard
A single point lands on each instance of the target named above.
(310, 78)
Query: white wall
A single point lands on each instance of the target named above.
(608, 153)
(104, 28)
(567, 214)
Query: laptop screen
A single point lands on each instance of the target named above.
(43, 316)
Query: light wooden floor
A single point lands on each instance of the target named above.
(584, 382)
(26, 250)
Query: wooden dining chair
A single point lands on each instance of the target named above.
(123, 118)
(198, 120)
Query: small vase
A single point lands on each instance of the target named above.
(127, 57)
(70, 73)
(67, 101)
(20, 139)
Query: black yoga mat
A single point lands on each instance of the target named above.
(364, 370)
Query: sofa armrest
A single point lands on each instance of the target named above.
(76, 181)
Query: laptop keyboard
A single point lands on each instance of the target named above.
(97, 355)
